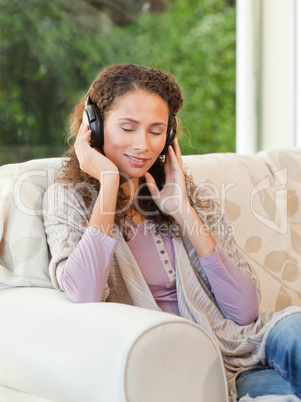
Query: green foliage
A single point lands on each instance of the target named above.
(42, 71)
(46, 63)
(195, 40)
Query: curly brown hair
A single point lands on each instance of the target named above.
(111, 83)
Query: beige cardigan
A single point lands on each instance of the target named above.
(66, 218)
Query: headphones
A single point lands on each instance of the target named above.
(93, 118)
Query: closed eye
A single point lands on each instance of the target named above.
(155, 132)
(128, 130)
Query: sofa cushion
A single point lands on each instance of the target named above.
(24, 255)
(261, 196)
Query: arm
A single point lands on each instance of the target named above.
(101, 168)
(234, 288)
(230, 284)
(87, 268)
(81, 256)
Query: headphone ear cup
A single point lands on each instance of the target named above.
(171, 137)
(93, 119)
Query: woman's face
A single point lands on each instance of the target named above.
(135, 132)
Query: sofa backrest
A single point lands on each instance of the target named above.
(261, 196)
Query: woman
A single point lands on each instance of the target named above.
(128, 225)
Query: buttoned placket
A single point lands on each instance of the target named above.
(171, 273)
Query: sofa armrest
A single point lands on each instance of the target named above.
(60, 351)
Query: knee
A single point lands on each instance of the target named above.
(285, 336)
(287, 327)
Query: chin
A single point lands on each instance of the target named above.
(136, 176)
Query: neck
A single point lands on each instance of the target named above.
(130, 188)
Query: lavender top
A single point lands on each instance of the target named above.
(87, 269)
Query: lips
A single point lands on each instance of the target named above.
(136, 161)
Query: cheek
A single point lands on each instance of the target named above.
(113, 142)
(160, 144)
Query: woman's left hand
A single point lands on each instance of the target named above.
(172, 199)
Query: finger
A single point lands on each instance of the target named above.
(177, 147)
(168, 161)
(174, 168)
(82, 144)
(174, 162)
(177, 151)
(171, 161)
(87, 134)
(176, 158)
(82, 129)
(83, 135)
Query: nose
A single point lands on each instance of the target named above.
(141, 142)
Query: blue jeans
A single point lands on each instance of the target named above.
(283, 353)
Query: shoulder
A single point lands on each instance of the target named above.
(69, 198)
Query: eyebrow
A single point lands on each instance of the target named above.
(137, 122)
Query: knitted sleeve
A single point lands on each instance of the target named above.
(66, 218)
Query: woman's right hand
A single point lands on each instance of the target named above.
(91, 160)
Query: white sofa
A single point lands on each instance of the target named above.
(54, 350)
